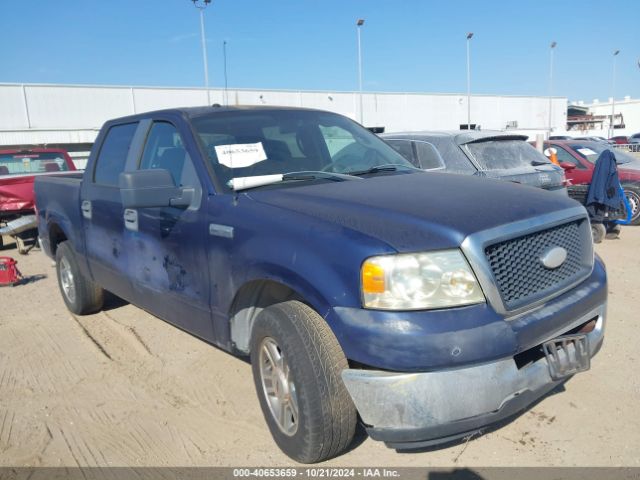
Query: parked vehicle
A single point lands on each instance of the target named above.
(595, 139)
(560, 137)
(578, 159)
(18, 169)
(634, 142)
(482, 153)
(630, 143)
(619, 140)
(356, 283)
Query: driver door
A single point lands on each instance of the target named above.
(167, 245)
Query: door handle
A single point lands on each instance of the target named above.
(85, 206)
(131, 219)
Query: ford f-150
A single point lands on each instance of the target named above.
(427, 305)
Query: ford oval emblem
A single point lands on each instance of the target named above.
(553, 257)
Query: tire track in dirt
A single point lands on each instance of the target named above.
(6, 429)
(125, 347)
(92, 338)
(133, 332)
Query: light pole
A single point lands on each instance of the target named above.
(202, 5)
(553, 46)
(226, 85)
(469, 37)
(359, 24)
(613, 94)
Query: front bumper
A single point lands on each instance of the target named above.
(413, 410)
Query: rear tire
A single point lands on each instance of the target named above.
(598, 231)
(81, 295)
(297, 364)
(613, 231)
(632, 192)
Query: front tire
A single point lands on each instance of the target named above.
(81, 295)
(297, 364)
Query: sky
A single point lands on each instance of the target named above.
(407, 45)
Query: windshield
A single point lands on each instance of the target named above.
(31, 162)
(271, 142)
(592, 151)
(505, 154)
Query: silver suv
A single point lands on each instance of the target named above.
(483, 153)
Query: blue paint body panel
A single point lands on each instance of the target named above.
(312, 237)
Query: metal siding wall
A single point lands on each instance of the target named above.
(147, 99)
(56, 107)
(12, 109)
(343, 103)
(81, 109)
(39, 137)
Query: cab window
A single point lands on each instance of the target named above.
(113, 154)
(164, 149)
(564, 156)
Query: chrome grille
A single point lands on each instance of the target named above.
(518, 270)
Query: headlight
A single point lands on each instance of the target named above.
(419, 281)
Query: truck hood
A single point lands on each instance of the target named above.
(416, 211)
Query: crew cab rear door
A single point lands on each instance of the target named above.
(101, 209)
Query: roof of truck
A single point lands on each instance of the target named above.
(206, 110)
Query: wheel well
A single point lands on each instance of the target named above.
(250, 300)
(56, 237)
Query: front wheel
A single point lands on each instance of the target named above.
(297, 364)
(632, 193)
(80, 294)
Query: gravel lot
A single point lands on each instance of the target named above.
(122, 388)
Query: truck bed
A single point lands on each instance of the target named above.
(57, 200)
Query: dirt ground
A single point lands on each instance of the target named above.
(122, 388)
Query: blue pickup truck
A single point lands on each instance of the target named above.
(360, 287)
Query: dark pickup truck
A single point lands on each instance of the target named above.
(429, 305)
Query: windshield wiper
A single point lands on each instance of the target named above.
(314, 175)
(537, 163)
(245, 183)
(391, 167)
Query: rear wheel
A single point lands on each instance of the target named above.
(81, 295)
(598, 231)
(297, 364)
(632, 193)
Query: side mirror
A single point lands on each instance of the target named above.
(567, 165)
(152, 188)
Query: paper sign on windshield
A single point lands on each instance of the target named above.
(240, 155)
(586, 151)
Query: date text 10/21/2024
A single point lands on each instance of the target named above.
(316, 472)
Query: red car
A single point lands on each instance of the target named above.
(18, 169)
(620, 140)
(578, 160)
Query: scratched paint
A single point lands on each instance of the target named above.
(175, 273)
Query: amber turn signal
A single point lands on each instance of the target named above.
(372, 278)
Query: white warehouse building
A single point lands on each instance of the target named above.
(71, 115)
